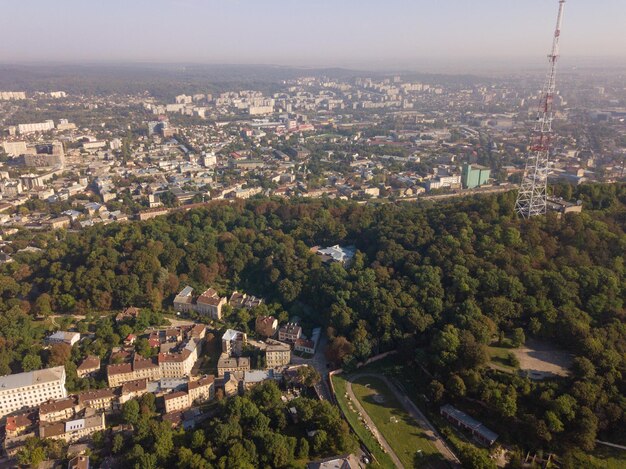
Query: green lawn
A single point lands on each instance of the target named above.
(382, 459)
(604, 457)
(500, 357)
(398, 427)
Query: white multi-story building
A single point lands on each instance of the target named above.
(27, 390)
(290, 332)
(209, 160)
(15, 148)
(184, 300)
(35, 127)
(10, 95)
(233, 342)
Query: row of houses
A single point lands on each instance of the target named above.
(210, 303)
(180, 349)
(75, 417)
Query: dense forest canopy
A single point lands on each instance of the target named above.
(438, 282)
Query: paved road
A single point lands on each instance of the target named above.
(370, 423)
(417, 415)
(319, 363)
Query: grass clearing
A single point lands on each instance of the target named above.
(409, 442)
(603, 457)
(500, 357)
(382, 459)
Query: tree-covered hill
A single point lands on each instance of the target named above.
(440, 282)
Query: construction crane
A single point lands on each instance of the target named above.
(532, 196)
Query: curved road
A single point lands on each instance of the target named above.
(371, 425)
(413, 411)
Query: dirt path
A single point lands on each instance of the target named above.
(423, 422)
(416, 414)
(371, 425)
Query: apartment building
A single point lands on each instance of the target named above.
(15, 148)
(10, 95)
(233, 342)
(89, 366)
(35, 127)
(175, 365)
(176, 401)
(290, 332)
(202, 389)
(74, 429)
(133, 389)
(59, 409)
(210, 304)
(30, 389)
(140, 368)
(169, 364)
(227, 364)
(99, 399)
(277, 354)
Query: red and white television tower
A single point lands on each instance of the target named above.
(531, 199)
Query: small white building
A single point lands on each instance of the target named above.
(63, 337)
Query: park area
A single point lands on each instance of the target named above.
(537, 359)
(381, 459)
(412, 446)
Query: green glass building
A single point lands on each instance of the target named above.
(474, 175)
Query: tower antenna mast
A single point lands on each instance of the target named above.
(532, 196)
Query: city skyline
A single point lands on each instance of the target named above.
(325, 34)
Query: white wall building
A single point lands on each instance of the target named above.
(35, 127)
(27, 390)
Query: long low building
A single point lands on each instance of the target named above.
(30, 389)
(462, 420)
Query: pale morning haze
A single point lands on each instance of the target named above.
(357, 33)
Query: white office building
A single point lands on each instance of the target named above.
(30, 389)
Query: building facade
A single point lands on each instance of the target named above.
(473, 176)
(277, 354)
(30, 389)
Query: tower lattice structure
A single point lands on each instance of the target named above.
(532, 196)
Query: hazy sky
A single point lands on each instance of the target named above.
(316, 32)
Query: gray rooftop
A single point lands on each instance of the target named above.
(470, 422)
(30, 378)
